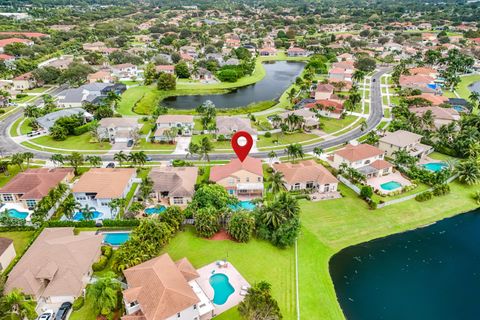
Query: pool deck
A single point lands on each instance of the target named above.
(396, 176)
(426, 159)
(234, 277)
(19, 207)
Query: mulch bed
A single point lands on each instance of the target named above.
(221, 235)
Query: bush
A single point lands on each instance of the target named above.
(427, 195)
(78, 303)
(21, 95)
(83, 129)
(366, 192)
(17, 228)
(181, 163)
(268, 134)
(107, 251)
(441, 190)
(121, 223)
(100, 264)
(75, 224)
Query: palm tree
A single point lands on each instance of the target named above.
(104, 294)
(272, 155)
(272, 215)
(57, 159)
(474, 99)
(276, 120)
(116, 204)
(18, 158)
(192, 149)
(138, 158)
(468, 171)
(87, 212)
(294, 151)
(113, 98)
(275, 182)
(120, 157)
(15, 305)
(28, 156)
(95, 161)
(358, 76)
(317, 151)
(289, 204)
(205, 148)
(68, 207)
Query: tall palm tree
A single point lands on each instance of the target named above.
(15, 305)
(120, 157)
(104, 294)
(205, 148)
(87, 212)
(289, 204)
(192, 150)
(28, 156)
(358, 76)
(275, 182)
(272, 155)
(68, 207)
(468, 171)
(57, 159)
(18, 159)
(317, 151)
(95, 161)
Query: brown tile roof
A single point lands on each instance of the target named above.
(107, 183)
(381, 164)
(36, 183)
(228, 125)
(187, 270)
(250, 164)
(435, 99)
(169, 118)
(159, 287)
(359, 152)
(59, 256)
(4, 42)
(178, 181)
(4, 244)
(305, 171)
(438, 113)
(325, 88)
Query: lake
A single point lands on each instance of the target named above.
(279, 76)
(475, 87)
(428, 273)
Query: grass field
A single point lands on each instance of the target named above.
(462, 88)
(332, 125)
(284, 139)
(73, 143)
(144, 145)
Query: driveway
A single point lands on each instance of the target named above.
(182, 145)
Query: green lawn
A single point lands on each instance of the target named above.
(144, 145)
(440, 156)
(462, 88)
(12, 172)
(73, 143)
(285, 139)
(333, 125)
(129, 98)
(14, 127)
(216, 144)
(20, 239)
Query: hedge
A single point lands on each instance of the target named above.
(17, 228)
(100, 264)
(84, 128)
(78, 303)
(427, 195)
(121, 223)
(107, 251)
(92, 223)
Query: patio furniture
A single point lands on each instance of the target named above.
(243, 292)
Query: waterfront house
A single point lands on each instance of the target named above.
(93, 93)
(392, 142)
(241, 179)
(366, 159)
(174, 185)
(99, 186)
(27, 188)
(228, 125)
(442, 116)
(297, 52)
(24, 81)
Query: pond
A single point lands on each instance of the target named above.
(428, 273)
(279, 76)
(475, 87)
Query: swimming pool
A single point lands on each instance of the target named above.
(391, 185)
(116, 238)
(435, 166)
(155, 210)
(244, 205)
(14, 213)
(79, 216)
(459, 108)
(222, 288)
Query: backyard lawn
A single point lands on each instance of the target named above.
(73, 143)
(20, 239)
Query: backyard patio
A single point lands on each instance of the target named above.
(389, 183)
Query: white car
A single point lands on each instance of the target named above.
(47, 315)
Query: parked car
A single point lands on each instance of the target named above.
(63, 311)
(33, 133)
(110, 165)
(130, 143)
(47, 315)
(149, 158)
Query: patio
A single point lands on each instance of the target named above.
(234, 277)
(377, 182)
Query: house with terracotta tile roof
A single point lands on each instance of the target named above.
(7, 253)
(365, 158)
(442, 116)
(434, 99)
(323, 91)
(422, 82)
(174, 185)
(99, 186)
(27, 188)
(424, 71)
(103, 75)
(161, 289)
(25, 34)
(57, 266)
(6, 42)
(307, 175)
(24, 82)
(241, 179)
(407, 141)
(327, 108)
(169, 69)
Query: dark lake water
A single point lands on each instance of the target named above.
(475, 87)
(429, 273)
(279, 76)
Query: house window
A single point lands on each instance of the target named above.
(31, 204)
(259, 179)
(247, 179)
(7, 197)
(231, 181)
(104, 204)
(297, 186)
(309, 184)
(177, 200)
(194, 307)
(81, 198)
(367, 161)
(178, 315)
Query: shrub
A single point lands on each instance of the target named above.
(21, 95)
(76, 224)
(121, 223)
(441, 190)
(427, 195)
(100, 264)
(107, 251)
(83, 129)
(366, 192)
(78, 303)
(268, 134)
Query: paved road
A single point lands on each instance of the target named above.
(7, 146)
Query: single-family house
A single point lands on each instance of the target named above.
(297, 52)
(47, 121)
(174, 185)
(203, 75)
(99, 186)
(340, 74)
(103, 75)
(323, 91)
(117, 129)
(366, 159)
(307, 175)
(267, 51)
(442, 116)
(392, 142)
(228, 125)
(309, 117)
(422, 82)
(182, 123)
(7, 253)
(346, 57)
(27, 188)
(61, 63)
(24, 81)
(169, 69)
(57, 266)
(6, 42)
(434, 99)
(423, 71)
(241, 179)
(327, 108)
(94, 47)
(93, 93)
(163, 289)
(124, 71)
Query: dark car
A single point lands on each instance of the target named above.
(63, 311)
(111, 165)
(373, 80)
(130, 143)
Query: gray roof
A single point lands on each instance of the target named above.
(49, 119)
(85, 93)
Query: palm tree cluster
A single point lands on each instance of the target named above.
(104, 294)
(48, 202)
(135, 158)
(16, 305)
(351, 174)
(291, 123)
(202, 149)
(17, 159)
(259, 303)
(294, 151)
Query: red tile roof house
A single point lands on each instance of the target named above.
(24, 81)
(340, 74)
(420, 82)
(323, 91)
(307, 175)
(267, 51)
(5, 42)
(365, 158)
(169, 69)
(327, 108)
(30, 186)
(241, 179)
(104, 76)
(25, 34)
(297, 52)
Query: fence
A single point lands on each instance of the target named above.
(349, 184)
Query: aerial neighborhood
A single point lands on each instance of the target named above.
(123, 195)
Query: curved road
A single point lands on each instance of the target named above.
(8, 146)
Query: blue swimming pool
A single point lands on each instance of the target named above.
(14, 213)
(433, 86)
(459, 108)
(221, 287)
(391, 185)
(79, 216)
(155, 210)
(244, 205)
(116, 238)
(435, 166)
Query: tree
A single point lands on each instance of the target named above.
(358, 76)
(104, 293)
(57, 159)
(76, 73)
(317, 151)
(173, 216)
(181, 70)
(58, 133)
(272, 155)
(366, 64)
(68, 207)
(468, 171)
(207, 221)
(204, 148)
(18, 159)
(259, 304)
(192, 150)
(166, 82)
(95, 161)
(241, 226)
(366, 192)
(14, 305)
(120, 157)
(294, 151)
(87, 212)
(76, 160)
(149, 74)
(275, 182)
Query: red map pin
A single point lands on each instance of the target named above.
(242, 142)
